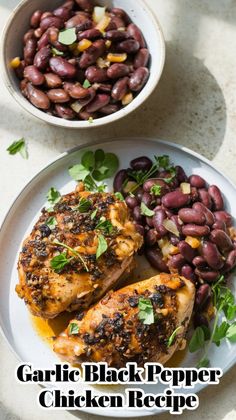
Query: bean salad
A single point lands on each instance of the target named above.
(82, 62)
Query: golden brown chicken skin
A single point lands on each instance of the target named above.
(48, 291)
(115, 332)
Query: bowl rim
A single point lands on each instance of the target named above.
(60, 122)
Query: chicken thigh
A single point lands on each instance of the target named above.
(76, 252)
(142, 322)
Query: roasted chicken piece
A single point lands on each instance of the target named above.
(142, 322)
(94, 240)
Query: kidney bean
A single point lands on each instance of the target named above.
(46, 14)
(98, 102)
(149, 221)
(205, 198)
(141, 58)
(142, 163)
(188, 273)
(164, 188)
(197, 181)
(202, 295)
(51, 21)
(194, 194)
(64, 13)
(42, 58)
(20, 70)
(173, 239)
(85, 5)
(155, 259)
(188, 215)
(158, 219)
(65, 112)
(117, 71)
(37, 97)
(131, 202)
(91, 55)
(119, 180)
(62, 68)
(223, 216)
(38, 33)
(135, 33)
(212, 256)
(219, 224)
(75, 90)
(151, 237)
(199, 207)
(216, 196)
(140, 229)
(175, 199)
(76, 21)
(35, 18)
(176, 262)
(90, 34)
(137, 214)
(115, 35)
(121, 14)
(58, 96)
(138, 79)
(43, 41)
(52, 80)
(230, 261)
(104, 87)
(199, 262)
(222, 240)
(199, 320)
(130, 46)
(195, 230)
(87, 24)
(33, 75)
(30, 50)
(28, 35)
(96, 75)
(208, 276)
(23, 87)
(176, 221)
(120, 89)
(187, 251)
(69, 4)
(109, 109)
(147, 199)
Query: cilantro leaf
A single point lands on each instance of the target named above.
(119, 196)
(59, 262)
(88, 160)
(78, 172)
(220, 332)
(84, 205)
(56, 52)
(146, 312)
(163, 161)
(105, 226)
(74, 252)
(197, 340)
(102, 246)
(53, 196)
(51, 222)
(73, 328)
(99, 156)
(155, 190)
(67, 36)
(231, 333)
(145, 211)
(18, 146)
(173, 336)
(94, 214)
(203, 363)
(86, 84)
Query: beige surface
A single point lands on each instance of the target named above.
(193, 105)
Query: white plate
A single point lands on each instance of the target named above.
(14, 317)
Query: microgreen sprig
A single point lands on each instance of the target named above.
(73, 251)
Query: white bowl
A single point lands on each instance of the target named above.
(11, 46)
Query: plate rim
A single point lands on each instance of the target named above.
(130, 413)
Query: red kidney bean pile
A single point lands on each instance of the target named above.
(184, 223)
(81, 61)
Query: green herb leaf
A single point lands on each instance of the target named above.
(18, 146)
(156, 190)
(84, 205)
(163, 161)
(231, 333)
(67, 37)
(145, 211)
(53, 196)
(119, 196)
(56, 52)
(51, 222)
(94, 214)
(146, 312)
(173, 335)
(203, 363)
(59, 262)
(74, 252)
(111, 162)
(88, 160)
(105, 226)
(197, 340)
(78, 172)
(220, 332)
(99, 156)
(102, 246)
(86, 84)
(73, 328)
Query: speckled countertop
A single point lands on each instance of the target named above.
(194, 105)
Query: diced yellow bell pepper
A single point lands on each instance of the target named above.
(15, 63)
(103, 24)
(116, 58)
(193, 242)
(127, 99)
(83, 45)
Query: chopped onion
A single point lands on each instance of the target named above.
(170, 226)
(98, 13)
(76, 106)
(102, 64)
(185, 188)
